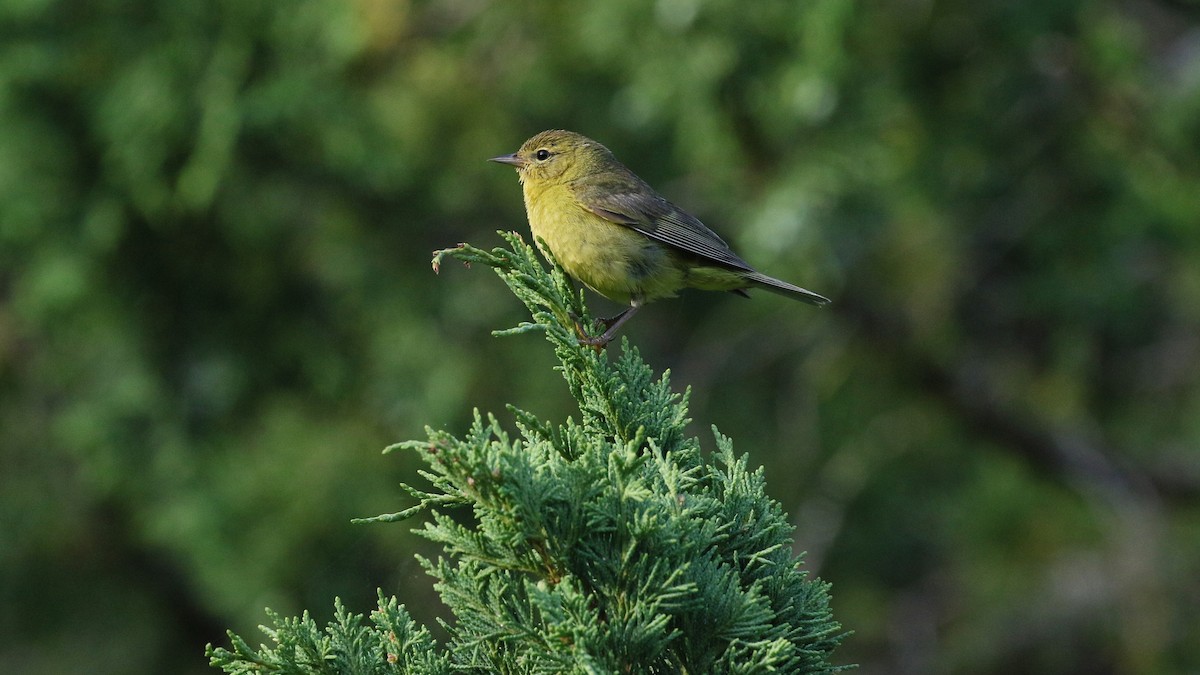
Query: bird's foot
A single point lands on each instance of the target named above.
(611, 326)
(597, 342)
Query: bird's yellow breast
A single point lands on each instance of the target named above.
(615, 261)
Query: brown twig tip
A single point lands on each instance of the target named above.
(436, 263)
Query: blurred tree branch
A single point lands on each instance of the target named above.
(1075, 457)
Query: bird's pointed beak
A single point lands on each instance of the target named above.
(512, 159)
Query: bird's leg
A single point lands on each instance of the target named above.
(611, 325)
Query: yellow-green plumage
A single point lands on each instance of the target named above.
(608, 258)
(615, 234)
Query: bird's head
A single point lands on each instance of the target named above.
(557, 156)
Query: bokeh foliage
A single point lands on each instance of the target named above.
(216, 307)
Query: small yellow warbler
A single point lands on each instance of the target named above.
(613, 232)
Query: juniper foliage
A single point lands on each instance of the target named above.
(607, 545)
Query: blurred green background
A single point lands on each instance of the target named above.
(216, 305)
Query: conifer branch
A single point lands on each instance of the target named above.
(607, 545)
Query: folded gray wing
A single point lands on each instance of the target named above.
(661, 220)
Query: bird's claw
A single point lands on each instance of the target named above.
(597, 342)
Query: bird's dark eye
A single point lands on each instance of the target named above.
(542, 155)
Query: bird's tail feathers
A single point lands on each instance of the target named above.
(784, 288)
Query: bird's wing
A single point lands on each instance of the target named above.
(649, 213)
